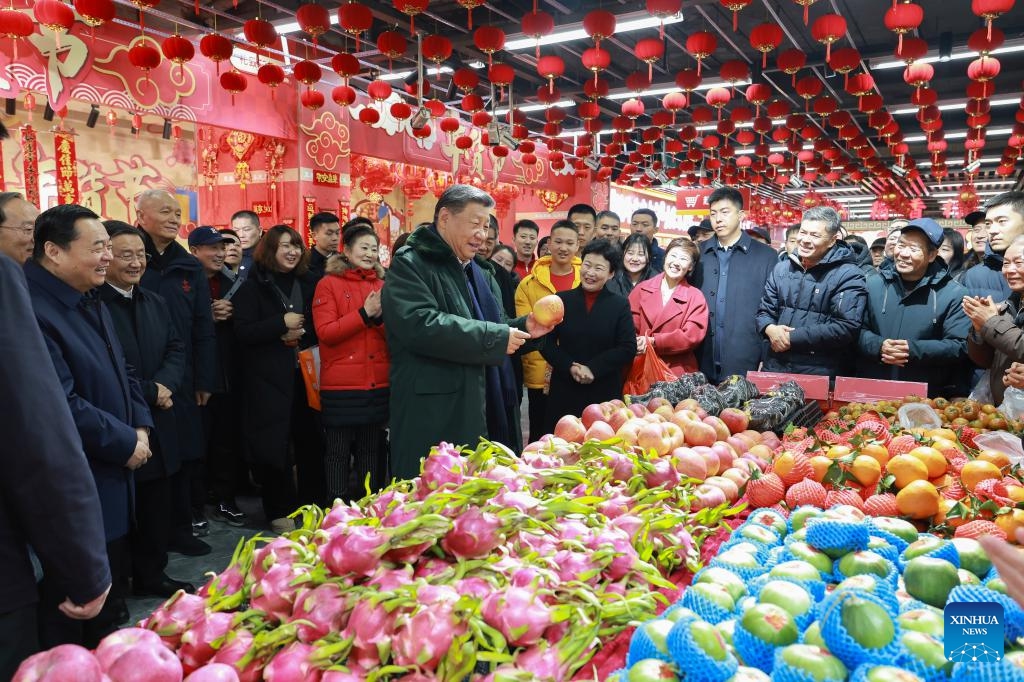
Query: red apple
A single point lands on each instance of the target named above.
(692, 405)
(735, 419)
(637, 409)
(570, 428)
(594, 412)
(754, 436)
(710, 459)
(737, 475)
(618, 416)
(738, 443)
(656, 402)
(599, 430)
(549, 311)
(731, 490)
(629, 431)
(689, 463)
(674, 433)
(725, 453)
(616, 403)
(698, 433)
(665, 411)
(650, 437)
(705, 496)
(721, 430)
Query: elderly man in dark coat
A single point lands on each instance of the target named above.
(449, 338)
(153, 348)
(176, 275)
(42, 460)
(814, 301)
(70, 257)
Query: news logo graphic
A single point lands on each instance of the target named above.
(973, 632)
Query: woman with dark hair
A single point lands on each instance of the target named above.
(636, 267)
(505, 256)
(594, 345)
(952, 251)
(273, 322)
(354, 365)
(670, 315)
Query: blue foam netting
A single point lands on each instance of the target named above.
(705, 608)
(1003, 671)
(884, 590)
(756, 516)
(847, 536)
(623, 674)
(920, 668)
(842, 645)
(744, 572)
(698, 665)
(675, 607)
(777, 555)
(895, 540)
(946, 551)
(891, 577)
(860, 674)
(815, 587)
(641, 646)
(789, 521)
(887, 551)
(762, 549)
(752, 651)
(1013, 615)
(782, 672)
(911, 604)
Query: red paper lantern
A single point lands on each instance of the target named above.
(412, 8)
(144, 56)
(983, 90)
(596, 59)
(93, 12)
(638, 81)
(983, 69)
(369, 116)
(791, 61)
(436, 49)
(844, 60)
(472, 103)
(355, 19)
(827, 29)
(465, 79)
(599, 24)
(379, 90)
(178, 50)
(489, 39)
(501, 75)
(632, 109)
(449, 125)
(307, 72)
(701, 45)
(718, 98)
(673, 102)
(688, 79)
(595, 88)
(54, 15)
(734, 71)
(345, 65)
(809, 87)
(392, 45)
(735, 6)
(649, 50)
(548, 96)
(260, 33)
(550, 67)
(343, 95)
(470, 5)
(500, 151)
(903, 18)
(311, 99)
(663, 9)
(216, 48)
(588, 110)
(313, 20)
(985, 41)
(991, 9)
(757, 94)
(806, 4)
(918, 74)
(765, 38)
(481, 118)
(860, 85)
(536, 25)
(234, 82)
(702, 115)
(555, 115)
(660, 119)
(401, 111)
(778, 109)
(911, 49)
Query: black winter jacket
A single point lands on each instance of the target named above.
(986, 278)
(929, 317)
(825, 306)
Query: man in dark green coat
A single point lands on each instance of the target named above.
(449, 339)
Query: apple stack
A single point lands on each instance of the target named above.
(774, 606)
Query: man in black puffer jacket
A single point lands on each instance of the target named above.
(814, 301)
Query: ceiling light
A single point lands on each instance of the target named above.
(945, 46)
(960, 162)
(293, 26)
(961, 134)
(664, 90)
(934, 57)
(564, 103)
(402, 75)
(476, 64)
(958, 106)
(622, 25)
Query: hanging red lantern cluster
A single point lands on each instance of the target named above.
(536, 25)
(260, 33)
(828, 29)
(412, 8)
(701, 45)
(649, 50)
(663, 9)
(355, 19)
(178, 50)
(902, 18)
(314, 20)
(489, 39)
(15, 25)
(991, 9)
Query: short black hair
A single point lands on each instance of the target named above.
(609, 214)
(57, 225)
(564, 225)
(354, 230)
(457, 197)
(856, 238)
(730, 194)
(320, 219)
(793, 229)
(541, 242)
(115, 228)
(247, 215)
(358, 220)
(604, 247)
(230, 233)
(879, 244)
(494, 226)
(646, 212)
(6, 197)
(582, 208)
(506, 247)
(1015, 200)
(525, 224)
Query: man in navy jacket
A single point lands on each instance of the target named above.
(42, 460)
(69, 260)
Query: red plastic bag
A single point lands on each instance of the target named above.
(647, 369)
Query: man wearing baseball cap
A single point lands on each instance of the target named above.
(914, 326)
(701, 232)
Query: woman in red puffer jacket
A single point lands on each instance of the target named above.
(354, 365)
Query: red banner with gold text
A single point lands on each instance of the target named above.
(67, 168)
(30, 159)
(308, 211)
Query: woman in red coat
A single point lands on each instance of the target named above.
(670, 314)
(354, 365)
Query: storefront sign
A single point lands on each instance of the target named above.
(324, 178)
(30, 159)
(262, 208)
(692, 201)
(67, 168)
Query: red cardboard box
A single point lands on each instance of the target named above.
(815, 386)
(854, 390)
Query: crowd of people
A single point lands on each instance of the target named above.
(166, 379)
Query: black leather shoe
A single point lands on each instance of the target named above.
(200, 526)
(190, 546)
(230, 514)
(164, 587)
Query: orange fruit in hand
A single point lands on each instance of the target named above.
(1009, 522)
(932, 458)
(976, 471)
(907, 469)
(866, 470)
(1000, 459)
(876, 450)
(918, 500)
(838, 451)
(820, 464)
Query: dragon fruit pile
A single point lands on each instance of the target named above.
(489, 566)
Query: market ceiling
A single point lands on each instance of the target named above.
(869, 116)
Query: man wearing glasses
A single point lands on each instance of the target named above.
(17, 222)
(915, 328)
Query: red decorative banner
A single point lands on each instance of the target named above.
(30, 158)
(323, 178)
(262, 208)
(344, 211)
(309, 210)
(67, 168)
